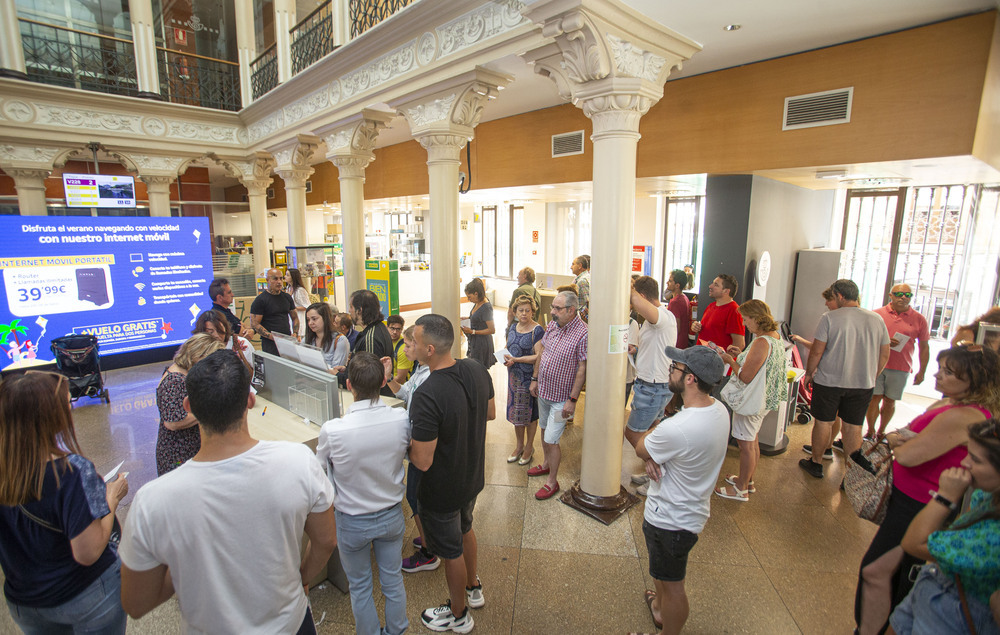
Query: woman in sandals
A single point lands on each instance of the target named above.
(56, 516)
(765, 355)
(968, 378)
(523, 338)
(963, 570)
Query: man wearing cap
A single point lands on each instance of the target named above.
(906, 326)
(685, 454)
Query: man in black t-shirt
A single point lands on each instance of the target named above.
(448, 415)
(271, 311)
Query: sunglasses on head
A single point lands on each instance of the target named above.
(901, 294)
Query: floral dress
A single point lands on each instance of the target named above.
(522, 408)
(174, 447)
(775, 378)
(481, 346)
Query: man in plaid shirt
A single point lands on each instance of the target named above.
(560, 370)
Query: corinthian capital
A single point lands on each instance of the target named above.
(351, 145)
(453, 106)
(296, 154)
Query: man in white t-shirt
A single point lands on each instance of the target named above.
(224, 530)
(650, 392)
(686, 452)
(363, 454)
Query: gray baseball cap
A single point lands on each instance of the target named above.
(700, 360)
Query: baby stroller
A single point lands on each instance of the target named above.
(76, 357)
(803, 399)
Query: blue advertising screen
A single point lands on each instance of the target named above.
(135, 283)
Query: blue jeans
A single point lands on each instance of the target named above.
(648, 403)
(933, 607)
(97, 610)
(356, 536)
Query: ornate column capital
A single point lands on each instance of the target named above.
(605, 58)
(151, 164)
(157, 183)
(449, 111)
(257, 187)
(351, 146)
(293, 159)
(28, 178)
(28, 157)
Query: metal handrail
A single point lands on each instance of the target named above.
(66, 28)
(310, 16)
(268, 51)
(201, 57)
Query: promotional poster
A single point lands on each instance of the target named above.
(135, 283)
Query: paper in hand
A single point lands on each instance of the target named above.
(110, 476)
(901, 341)
(467, 323)
(500, 355)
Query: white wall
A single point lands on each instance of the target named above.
(784, 219)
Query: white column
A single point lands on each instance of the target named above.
(442, 118)
(257, 197)
(612, 63)
(284, 20)
(351, 148)
(11, 49)
(293, 166)
(30, 185)
(246, 47)
(144, 45)
(340, 12)
(158, 192)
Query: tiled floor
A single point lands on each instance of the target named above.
(785, 562)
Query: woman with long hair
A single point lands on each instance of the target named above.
(178, 438)
(523, 343)
(56, 516)
(968, 379)
(297, 289)
(321, 332)
(214, 323)
(481, 329)
(963, 570)
(765, 355)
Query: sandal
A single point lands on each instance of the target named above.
(650, 596)
(525, 460)
(731, 479)
(515, 456)
(741, 495)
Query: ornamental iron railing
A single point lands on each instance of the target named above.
(196, 80)
(264, 72)
(67, 57)
(312, 38)
(367, 13)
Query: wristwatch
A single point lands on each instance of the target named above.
(944, 501)
(572, 399)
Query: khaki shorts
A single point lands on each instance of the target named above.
(891, 383)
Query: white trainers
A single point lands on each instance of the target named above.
(640, 479)
(441, 619)
(474, 596)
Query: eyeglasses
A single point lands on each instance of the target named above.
(901, 294)
(970, 346)
(558, 308)
(683, 371)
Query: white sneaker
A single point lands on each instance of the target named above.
(441, 619)
(474, 596)
(640, 479)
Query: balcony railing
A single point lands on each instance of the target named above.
(77, 59)
(312, 38)
(196, 80)
(367, 13)
(264, 72)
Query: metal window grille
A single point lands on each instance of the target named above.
(312, 38)
(77, 59)
(682, 234)
(196, 80)
(867, 239)
(264, 72)
(367, 13)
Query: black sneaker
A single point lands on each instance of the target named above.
(838, 445)
(441, 619)
(813, 469)
(827, 456)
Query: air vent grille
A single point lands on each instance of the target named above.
(567, 144)
(827, 108)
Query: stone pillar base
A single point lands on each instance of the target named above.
(603, 508)
(148, 95)
(9, 72)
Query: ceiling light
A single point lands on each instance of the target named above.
(830, 174)
(732, 27)
(546, 187)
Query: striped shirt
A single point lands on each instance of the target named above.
(563, 347)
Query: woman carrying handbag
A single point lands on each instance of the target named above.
(760, 371)
(968, 378)
(952, 593)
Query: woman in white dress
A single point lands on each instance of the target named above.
(296, 289)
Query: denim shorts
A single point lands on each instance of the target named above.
(933, 607)
(648, 402)
(668, 552)
(550, 420)
(443, 531)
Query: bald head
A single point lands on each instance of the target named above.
(275, 281)
(899, 298)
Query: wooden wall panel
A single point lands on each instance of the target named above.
(398, 170)
(987, 144)
(325, 184)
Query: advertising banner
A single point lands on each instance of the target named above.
(382, 278)
(134, 283)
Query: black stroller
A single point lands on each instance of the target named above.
(76, 357)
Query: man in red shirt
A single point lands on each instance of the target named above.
(905, 327)
(722, 323)
(680, 306)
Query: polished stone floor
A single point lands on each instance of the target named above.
(785, 562)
